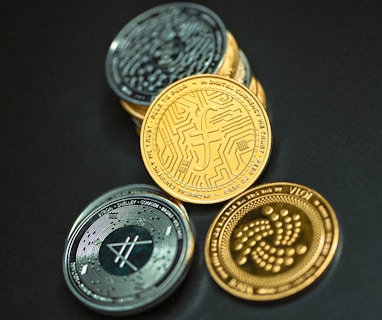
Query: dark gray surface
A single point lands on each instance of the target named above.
(65, 140)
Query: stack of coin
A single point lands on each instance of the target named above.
(128, 250)
(168, 43)
(205, 137)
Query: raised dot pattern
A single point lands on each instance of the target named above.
(283, 226)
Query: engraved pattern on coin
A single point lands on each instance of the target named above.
(208, 141)
(129, 252)
(272, 241)
(162, 45)
(126, 250)
(122, 224)
(216, 119)
(251, 240)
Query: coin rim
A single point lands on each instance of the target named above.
(122, 191)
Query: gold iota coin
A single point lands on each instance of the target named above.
(271, 241)
(205, 139)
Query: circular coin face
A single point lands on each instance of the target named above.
(162, 45)
(205, 139)
(128, 252)
(271, 242)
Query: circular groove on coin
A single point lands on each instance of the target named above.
(205, 139)
(128, 251)
(271, 241)
(162, 45)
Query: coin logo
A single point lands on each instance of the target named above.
(271, 241)
(161, 45)
(128, 251)
(205, 139)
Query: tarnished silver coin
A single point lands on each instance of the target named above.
(162, 45)
(129, 252)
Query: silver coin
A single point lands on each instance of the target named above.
(129, 253)
(162, 45)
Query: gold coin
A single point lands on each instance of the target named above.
(256, 87)
(135, 110)
(241, 72)
(205, 139)
(231, 57)
(271, 241)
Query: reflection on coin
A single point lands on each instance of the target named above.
(205, 139)
(124, 191)
(128, 251)
(230, 64)
(256, 87)
(271, 241)
(137, 111)
(231, 57)
(161, 45)
(243, 72)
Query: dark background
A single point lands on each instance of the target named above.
(65, 140)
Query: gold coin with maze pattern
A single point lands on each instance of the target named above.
(205, 139)
(272, 241)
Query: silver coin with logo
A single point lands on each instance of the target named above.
(129, 253)
(162, 45)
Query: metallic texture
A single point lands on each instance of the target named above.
(162, 45)
(243, 71)
(256, 87)
(205, 139)
(128, 250)
(271, 241)
(231, 57)
(137, 111)
(229, 68)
